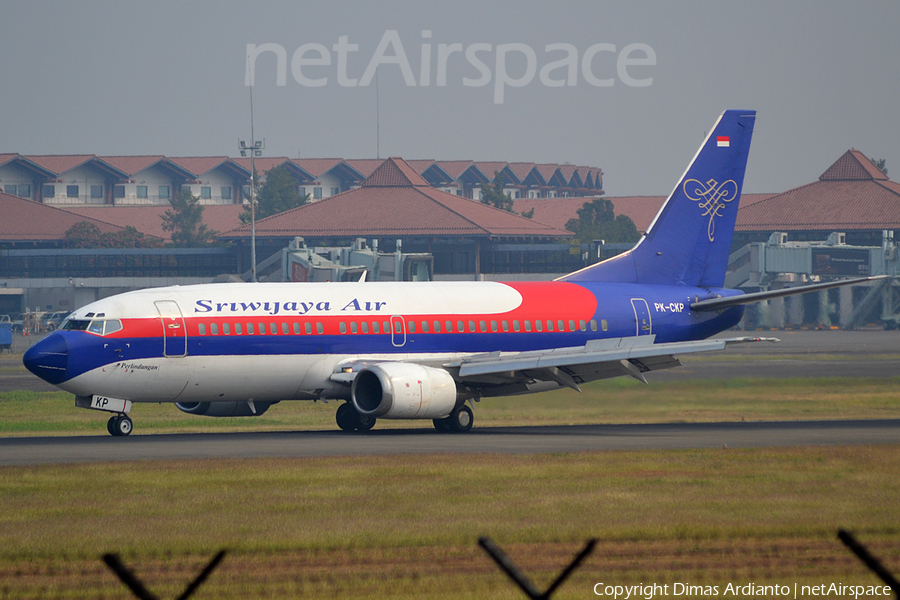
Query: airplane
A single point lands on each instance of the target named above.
(422, 350)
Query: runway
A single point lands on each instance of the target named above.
(799, 354)
(508, 440)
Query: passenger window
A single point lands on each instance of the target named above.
(202, 328)
(472, 326)
(273, 328)
(604, 325)
(262, 329)
(214, 327)
(319, 328)
(365, 327)
(398, 327)
(494, 326)
(386, 326)
(437, 326)
(560, 325)
(516, 325)
(527, 325)
(343, 327)
(308, 328)
(505, 325)
(593, 324)
(582, 325)
(226, 328)
(353, 327)
(250, 331)
(411, 326)
(375, 327)
(424, 326)
(296, 328)
(483, 326)
(571, 325)
(538, 325)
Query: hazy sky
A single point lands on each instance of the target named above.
(168, 77)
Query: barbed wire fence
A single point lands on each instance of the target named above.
(509, 568)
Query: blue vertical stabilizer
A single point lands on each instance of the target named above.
(689, 241)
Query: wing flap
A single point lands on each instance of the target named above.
(633, 350)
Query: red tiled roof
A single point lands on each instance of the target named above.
(61, 163)
(366, 166)
(148, 219)
(489, 168)
(199, 165)
(394, 172)
(263, 163)
(405, 210)
(521, 169)
(318, 166)
(853, 165)
(546, 171)
(26, 220)
(132, 164)
(454, 168)
(852, 194)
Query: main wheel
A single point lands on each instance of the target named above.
(442, 425)
(365, 422)
(346, 416)
(461, 419)
(121, 425)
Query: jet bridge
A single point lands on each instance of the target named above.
(780, 263)
(302, 263)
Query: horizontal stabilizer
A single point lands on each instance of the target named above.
(729, 301)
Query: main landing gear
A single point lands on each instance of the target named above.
(459, 421)
(349, 419)
(119, 425)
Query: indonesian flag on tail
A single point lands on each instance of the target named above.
(723, 141)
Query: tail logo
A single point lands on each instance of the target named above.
(712, 197)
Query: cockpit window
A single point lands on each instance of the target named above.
(76, 325)
(97, 326)
(112, 326)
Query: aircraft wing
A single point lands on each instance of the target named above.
(598, 359)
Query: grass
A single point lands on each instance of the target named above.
(611, 401)
(405, 526)
(397, 526)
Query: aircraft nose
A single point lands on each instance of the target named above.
(49, 358)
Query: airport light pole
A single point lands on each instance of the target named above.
(254, 149)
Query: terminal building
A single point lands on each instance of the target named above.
(842, 224)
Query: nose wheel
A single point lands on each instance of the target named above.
(119, 425)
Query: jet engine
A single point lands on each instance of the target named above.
(224, 409)
(395, 390)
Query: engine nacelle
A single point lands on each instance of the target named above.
(396, 390)
(224, 409)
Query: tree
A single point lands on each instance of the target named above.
(597, 221)
(280, 193)
(185, 221)
(85, 234)
(492, 194)
(881, 163)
